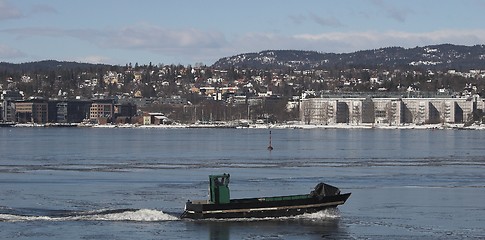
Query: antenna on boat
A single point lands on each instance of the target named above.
(270, 148)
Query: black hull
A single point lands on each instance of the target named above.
(256, 208)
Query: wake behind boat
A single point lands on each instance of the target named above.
(219, 204)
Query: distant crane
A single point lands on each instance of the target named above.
(270, 148)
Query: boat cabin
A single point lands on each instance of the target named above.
(219, 189)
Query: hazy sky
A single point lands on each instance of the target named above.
(187, 32)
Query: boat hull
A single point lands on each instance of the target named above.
(263, 207)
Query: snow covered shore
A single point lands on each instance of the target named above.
(276, 126)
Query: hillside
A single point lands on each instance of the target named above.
(47, 65)
(438, 57)
(435, 57)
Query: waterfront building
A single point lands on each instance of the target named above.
(386, 111)
(71, 111)
(124, 113)
(7, 106)
(31, 111)
(156, 119)
(101, 110)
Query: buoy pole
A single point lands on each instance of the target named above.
(270, 148)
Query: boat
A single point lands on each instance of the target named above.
(7, 124)
(220, 206)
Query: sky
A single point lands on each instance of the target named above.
(195, 31)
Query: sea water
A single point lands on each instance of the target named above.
(92, 183)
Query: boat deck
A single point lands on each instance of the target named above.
(260, 199)
(270, 199)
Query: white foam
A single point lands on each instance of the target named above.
(321, 215)
(20, 218)
(151, 215)
(141, 215)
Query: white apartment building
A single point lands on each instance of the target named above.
(387, 111)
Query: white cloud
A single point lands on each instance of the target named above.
(181, 43)
(94, 59)
(7, 52)
(143, 36)
(8, 11)
(163, 39)
(193, 45)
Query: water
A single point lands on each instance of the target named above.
(63, 183)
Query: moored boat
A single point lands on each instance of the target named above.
(7, 124)
(219, 204)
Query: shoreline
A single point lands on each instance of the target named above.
(263, 126)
